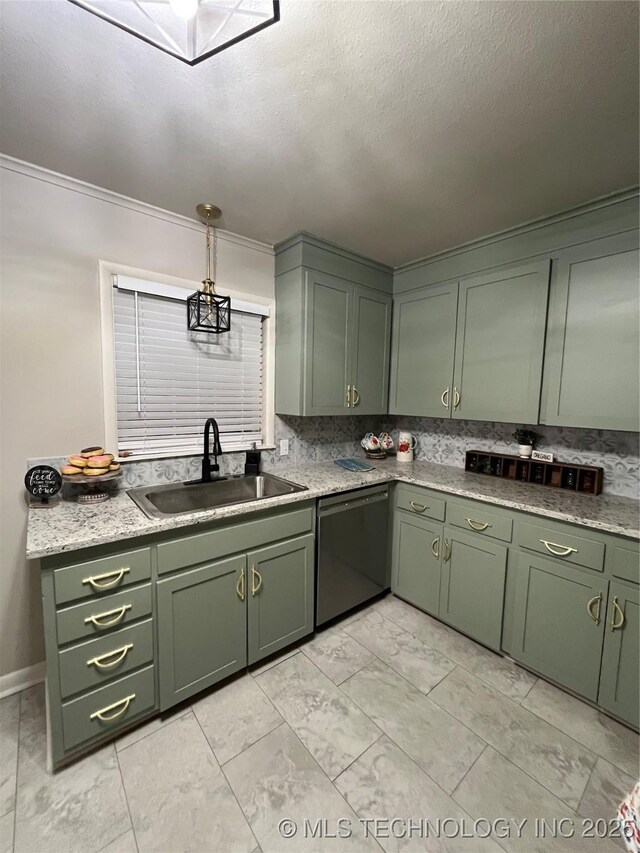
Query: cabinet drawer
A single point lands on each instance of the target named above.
(420, 502)
(565, 546)
(474, 517)
(107, 709)
(623, 560)
(98, 577)
(104, 615)
(97, 661)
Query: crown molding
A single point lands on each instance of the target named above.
(30, 170)
(326, 245)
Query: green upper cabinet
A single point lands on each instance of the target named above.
(591, 376)
(424, 334)
(333, 330)
(500, 344)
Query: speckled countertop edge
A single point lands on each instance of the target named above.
(70, 526)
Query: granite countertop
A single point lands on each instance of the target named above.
(70, 526)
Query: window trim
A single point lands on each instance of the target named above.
(106, 271)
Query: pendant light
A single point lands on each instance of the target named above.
(207, 311)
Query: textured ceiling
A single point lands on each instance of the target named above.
(396, 129)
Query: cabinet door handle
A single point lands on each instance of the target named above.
(444, 399)
(597, 601)
(103, 713)
(435, 547)
(348, 396)
(255, 574)
(477, 525)
(615, 626)
(96, 618)
(563, 550)
(447, 551)
(103, 582)
(456, 398)
(118, 655)
(418, 507)
(240, 586)
(355, 396)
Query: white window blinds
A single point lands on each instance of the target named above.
(170, 380)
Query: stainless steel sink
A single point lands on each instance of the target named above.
(178, 498)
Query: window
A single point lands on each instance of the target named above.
(169, 380)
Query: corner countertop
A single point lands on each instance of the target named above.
(70, 526)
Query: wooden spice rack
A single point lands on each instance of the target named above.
(581, 479)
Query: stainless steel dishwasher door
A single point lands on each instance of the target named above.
(352, 550)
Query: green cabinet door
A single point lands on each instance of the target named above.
(500, 343)
(423, 347)
(328, 318)
(202, 628)
(472, 585)
(619, 690)
(415, 561)
(591, 376)
(370, 342)
(280, 595)
(558, 622)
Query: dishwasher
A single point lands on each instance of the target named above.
(353, 560)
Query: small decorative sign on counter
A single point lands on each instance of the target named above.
(43, 483)
(542, 455)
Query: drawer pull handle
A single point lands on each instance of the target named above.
(615, 626)
(563, 551)
(118, 655)
(97, 617)
(444, 399)
(435, 547)
(103, 714)
(255, 574)
(240, 586)
(103, 582)
(447, 551)
(477, 525)
(418, 507)
(597, 600)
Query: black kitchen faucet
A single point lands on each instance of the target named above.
(207, 466)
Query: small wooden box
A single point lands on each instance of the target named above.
(581, 479)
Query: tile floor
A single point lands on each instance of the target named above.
(388, 715)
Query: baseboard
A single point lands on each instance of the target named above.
(14, 682)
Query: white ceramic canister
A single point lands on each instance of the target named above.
(406, 445)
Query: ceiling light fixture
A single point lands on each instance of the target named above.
(190, 30)
(206, 310)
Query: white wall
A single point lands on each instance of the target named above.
(53, 232)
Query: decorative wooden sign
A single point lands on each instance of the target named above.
(43, 484)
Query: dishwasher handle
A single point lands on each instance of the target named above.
(354, 503)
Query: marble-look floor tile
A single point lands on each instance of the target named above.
(604, 736)
(148, 728)
(125, 844)
(559, 763)
(178, 795)
(9, 722)
(497, 790)
(607, 788)
(277, 779)
(6, 833)
(274, 661)
(407, 655)
(443, 747)
(384, 783)
(498, 671)
(81, 807)
(337, 654)
(334, 730)
(235, 716)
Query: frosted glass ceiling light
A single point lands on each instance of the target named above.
(191, 30)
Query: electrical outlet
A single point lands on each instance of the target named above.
(284, 447)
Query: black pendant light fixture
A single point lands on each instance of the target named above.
(190, 30)
(207, 311)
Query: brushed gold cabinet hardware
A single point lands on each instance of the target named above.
(447, 551)
(563, 550)
(477, 525)
(445, 398)
(615, 626)
(348, 396)
(240, 586)
(435, 547)
(118, 655)
(597, 601)
(418, 507)
(103, 713)
(355, 396)
(102, 581)
(255, 574)
(456, 398)
(96, 618)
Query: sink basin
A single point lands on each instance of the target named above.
(178, 498)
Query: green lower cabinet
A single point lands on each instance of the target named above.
(621, 656)
(559, 622)
(472, 585)
(202, 628)
(280, 595)
(416, 560)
